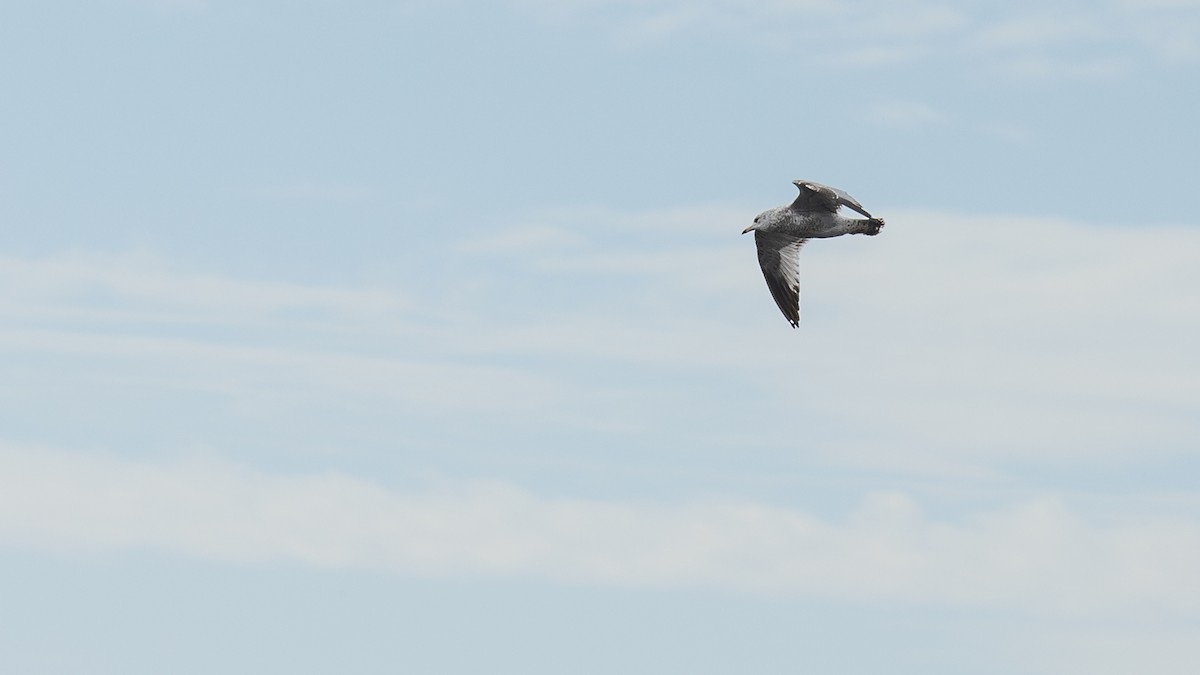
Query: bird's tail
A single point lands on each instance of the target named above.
(872, 226)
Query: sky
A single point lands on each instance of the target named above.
(380, 337)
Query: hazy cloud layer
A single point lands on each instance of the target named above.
(338, 336)
(989, 344)
(1025, 41)
(986, 342)
(1038, 555)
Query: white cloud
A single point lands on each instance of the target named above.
(983, 338)
(177, 5)
(144, 281)
(1039, 30)
(972, 342)
(1043, 68)
(955, 355)
(313, 192)
(915, 20)
(904, 114)
(1114, 648)
(1174, 38)
(277, 380)
(1037, 555)
(1046, 44)
(1008, 131)
(523, 238)
(1142, 5)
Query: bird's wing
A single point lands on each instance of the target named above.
(779, 258)
(817, 197)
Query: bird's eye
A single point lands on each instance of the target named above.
(757, 218)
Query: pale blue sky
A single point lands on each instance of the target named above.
(378, 337)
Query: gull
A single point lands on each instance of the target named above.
(780, 232)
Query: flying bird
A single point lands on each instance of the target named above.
(780, 232)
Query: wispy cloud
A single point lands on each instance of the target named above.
(144, 281)
(313, 192)
(904, 114)
(837, 33)
(1141, 5)
(1037, 555)
(1043, 68)
(1039, 30)
(983, 349)
(522, 239)
(177, 5)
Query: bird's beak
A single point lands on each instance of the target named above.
(748, 229)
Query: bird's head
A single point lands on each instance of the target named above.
(757, 220)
